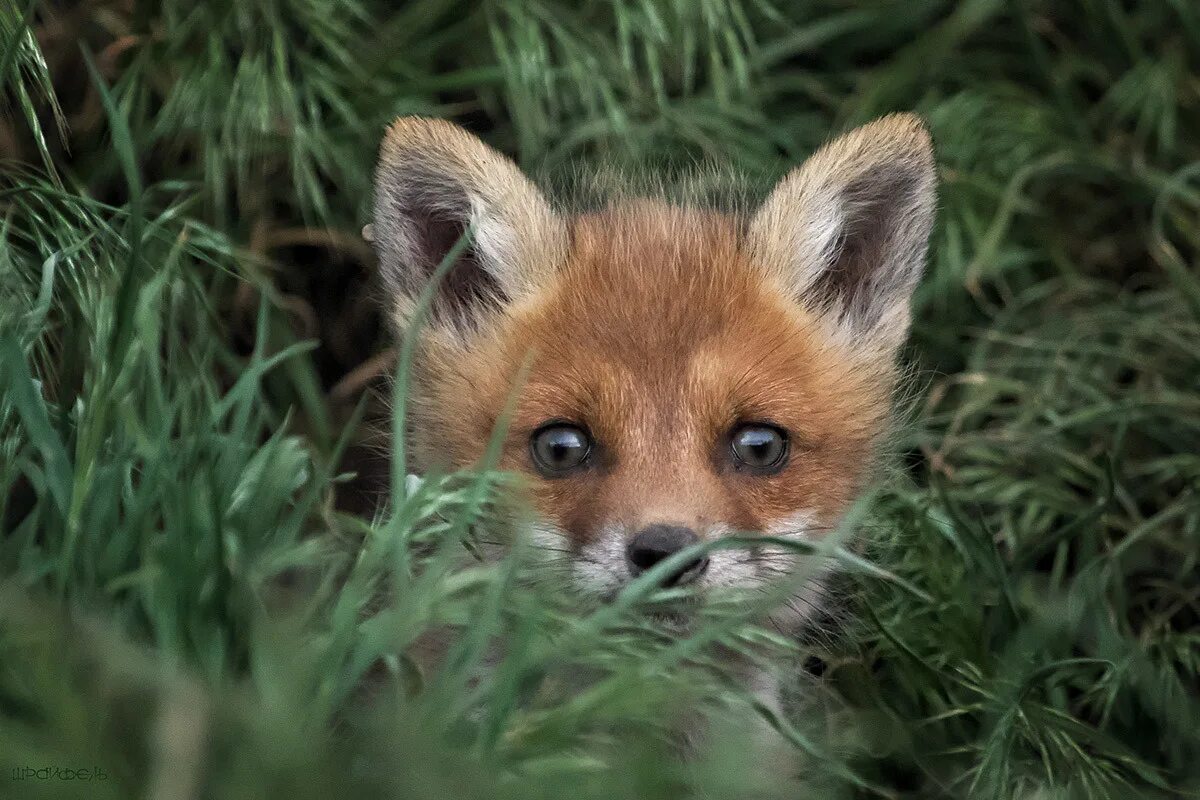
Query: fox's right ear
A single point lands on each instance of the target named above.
(847, 230)
(435, 182)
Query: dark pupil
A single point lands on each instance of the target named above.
(561, 447)
(758, 446)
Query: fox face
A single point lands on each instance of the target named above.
(675, 374)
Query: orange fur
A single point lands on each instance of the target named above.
(659, 334)
(660, 328)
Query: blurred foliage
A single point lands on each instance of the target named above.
(191, 362)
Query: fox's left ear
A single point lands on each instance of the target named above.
(848, 230)
(435, 183)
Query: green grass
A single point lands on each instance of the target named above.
(187, 365)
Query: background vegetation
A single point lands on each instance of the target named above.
(196, 592)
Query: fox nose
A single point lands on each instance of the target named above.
(657, 542)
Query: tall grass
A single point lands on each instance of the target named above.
(188, 348)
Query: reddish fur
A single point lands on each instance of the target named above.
(659, 335)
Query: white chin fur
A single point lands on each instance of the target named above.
(599, 568)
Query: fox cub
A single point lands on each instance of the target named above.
(691, 373)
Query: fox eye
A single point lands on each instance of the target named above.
(759, 447)
(557, 447)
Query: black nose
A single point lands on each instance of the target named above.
(656, 542)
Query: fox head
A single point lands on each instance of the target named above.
(690, 373)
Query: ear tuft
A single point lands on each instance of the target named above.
(435, 182)
(847, 231)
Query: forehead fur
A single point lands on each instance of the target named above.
(659, 333)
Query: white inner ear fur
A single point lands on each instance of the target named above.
(847, 231)
(434, 175)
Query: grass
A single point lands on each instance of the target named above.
(189, 349)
